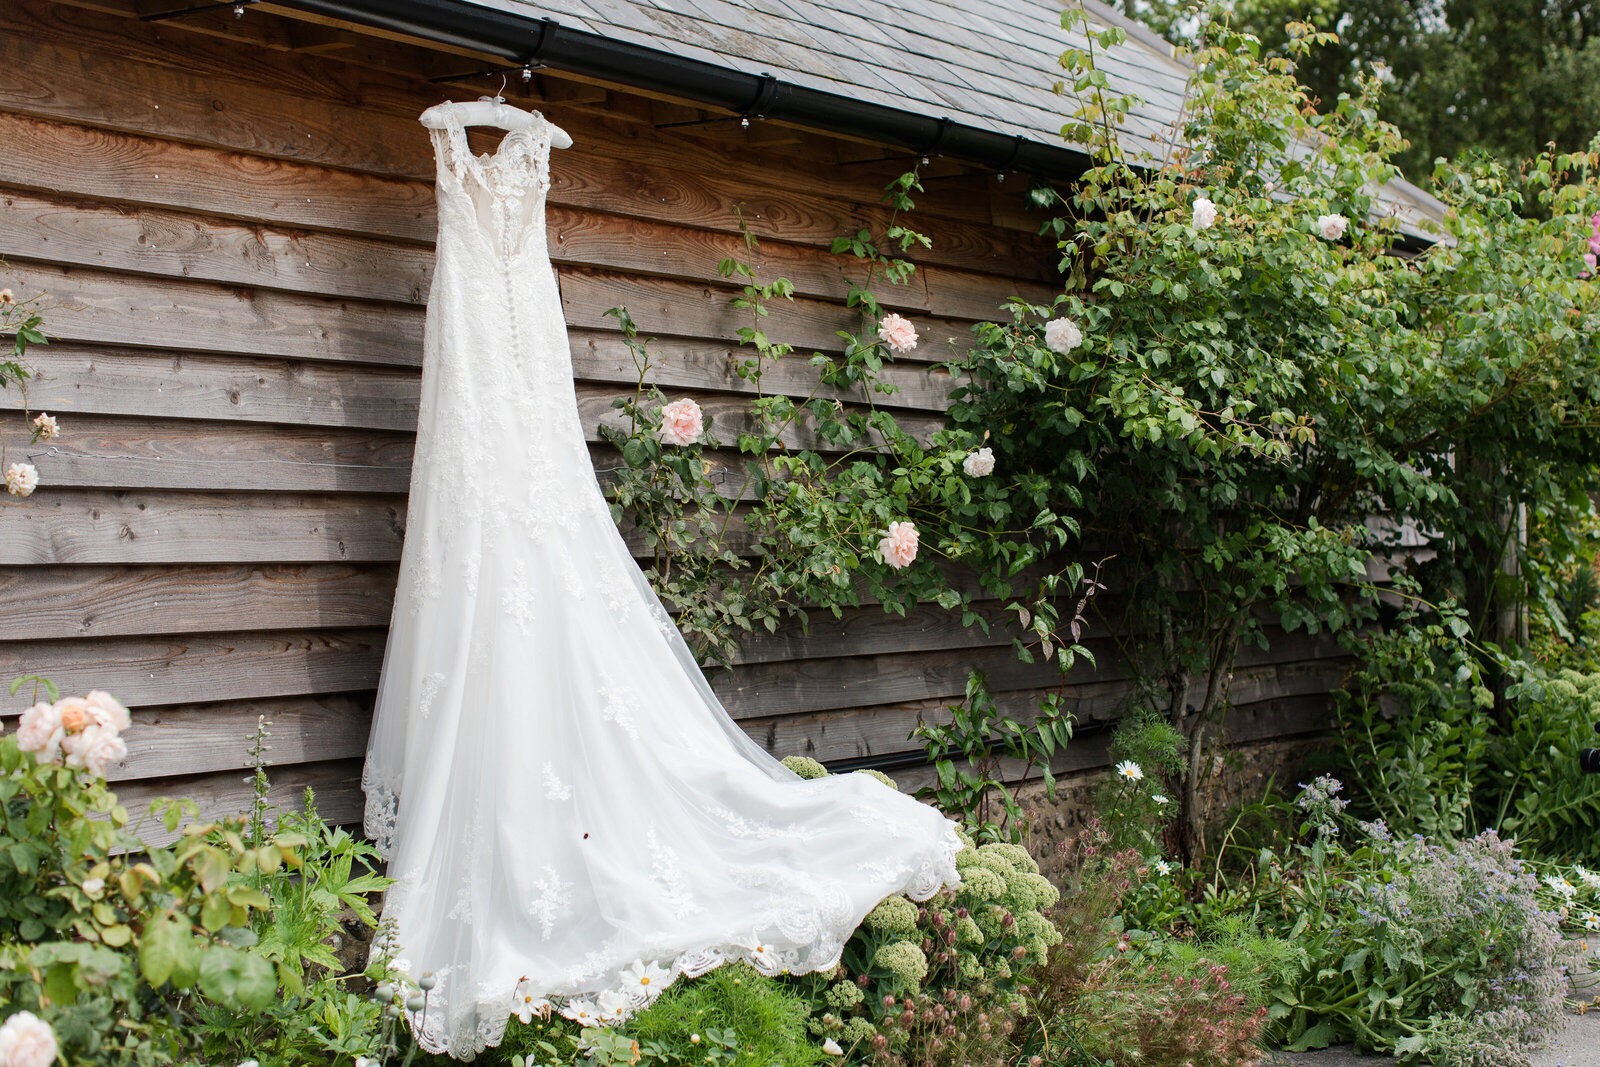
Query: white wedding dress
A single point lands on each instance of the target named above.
(566, 807)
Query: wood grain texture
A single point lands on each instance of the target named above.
(115, 452)
(146, 672)
(200, 738)
(166, 384)
(47, 603)
(150, 526)
(225, 793)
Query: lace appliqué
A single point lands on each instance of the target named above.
(554, 787)
(428, 692)
(619, 706)
(553, 902)
(667, 870)
(517, 599)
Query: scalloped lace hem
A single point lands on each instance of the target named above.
(494, 1010)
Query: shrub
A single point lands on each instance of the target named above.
(137, 954)
(1407, 939)
(732, 1013)
(1540, 795)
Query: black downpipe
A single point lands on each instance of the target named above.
(522, 39)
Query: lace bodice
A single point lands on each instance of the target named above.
(503, 191)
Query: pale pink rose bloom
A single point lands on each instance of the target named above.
(1590, 260)
(897, 332)
(1205, 213)
(39, 731)
(1062, 336)
(27, 1041)
(898, 548)
(95, 749)
(22, 479)
(1332, 226)
(979, 464)
(107, 710)
(73, 714)
(681, 422)
(46, 425)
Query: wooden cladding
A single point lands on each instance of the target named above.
(234, 238)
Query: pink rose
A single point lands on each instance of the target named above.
(897, 332)
(106, 710)
(1590, 260)
(95, 749)
(899, 545)
(681, 422)
(27, 1041)
(39, 731)
(1332, 226)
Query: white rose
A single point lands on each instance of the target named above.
(831, 1047)
(979, 464)
(45, 426)
(1332, 226)
(22, 479)
(1062, 336)
(93, 885)
(1205, 213)
(27, 1041)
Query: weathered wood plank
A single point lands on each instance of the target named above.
(46, 603)
(159, 383)
(119, 309)
(99, 526)
(146, 672)
(337, 784)
(199, 738)
(883, 730)
(60, 158)
(173, 244)
(45, 79)
(163, 384)
(115, 452)
(52, 158)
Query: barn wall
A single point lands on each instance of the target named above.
(233, 221)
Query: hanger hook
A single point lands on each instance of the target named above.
(502, 93)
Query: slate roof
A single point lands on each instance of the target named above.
(988, 64)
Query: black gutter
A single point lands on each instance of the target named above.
(526, 40)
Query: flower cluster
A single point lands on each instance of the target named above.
(1321, 802)
(84, 732)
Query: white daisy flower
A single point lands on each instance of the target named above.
(1160, 798)
(646, 979)
(1561, 885)
(1130, 770)
(1162, 867)
(762, 955)
(582, 1012)
(1591, 921)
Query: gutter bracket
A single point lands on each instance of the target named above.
(533, 62)
(755, 109)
